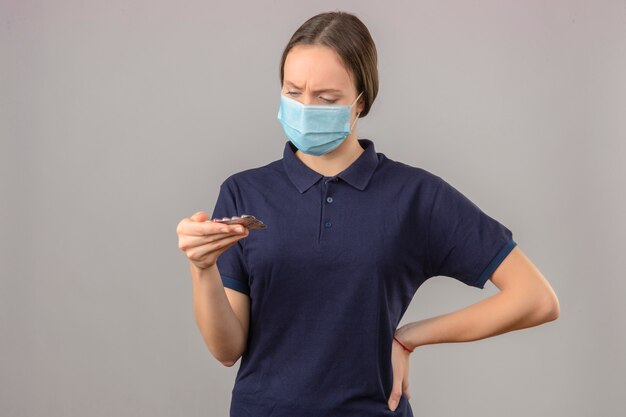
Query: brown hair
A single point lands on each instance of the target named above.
(350, 39)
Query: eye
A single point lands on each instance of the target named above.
(325, 100)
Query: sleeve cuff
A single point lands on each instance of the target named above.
(235, 284)
(495, 262)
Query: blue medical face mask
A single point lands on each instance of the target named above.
(315, 129)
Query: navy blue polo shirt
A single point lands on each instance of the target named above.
(335, 270)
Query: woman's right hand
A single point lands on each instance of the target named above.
(203, 242)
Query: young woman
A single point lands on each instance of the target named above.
(311, 304)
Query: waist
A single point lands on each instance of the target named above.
(247, 404)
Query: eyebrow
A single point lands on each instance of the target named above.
(324, 90)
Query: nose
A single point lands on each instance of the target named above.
(307, 98)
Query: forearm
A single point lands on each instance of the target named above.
(500, 313)
(220, 328)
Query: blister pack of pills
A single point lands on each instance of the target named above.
(247, 220)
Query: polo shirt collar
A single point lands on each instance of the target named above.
(357, 174)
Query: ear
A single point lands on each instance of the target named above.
(360, 105)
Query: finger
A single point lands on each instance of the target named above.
(200, 216)
(201, 251)
(405, 379)
(405, 388)
(396, 390)
(394, 398)
(191, 242)
(189, 227)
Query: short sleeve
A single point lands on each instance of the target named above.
(463, 241)
(231, 262)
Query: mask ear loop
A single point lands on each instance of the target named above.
(355, 119)
(357, 115)
(356, 99)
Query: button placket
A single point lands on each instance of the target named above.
(326, 222)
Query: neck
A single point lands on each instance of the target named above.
(332, 163)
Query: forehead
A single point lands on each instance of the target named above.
(315, 66)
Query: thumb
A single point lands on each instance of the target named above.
(396, 393)
(199, 216)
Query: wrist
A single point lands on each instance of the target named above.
(412, 335)
(400, 338)
(203, 273)
(405, 347)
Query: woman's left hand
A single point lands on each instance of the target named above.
(400, 363)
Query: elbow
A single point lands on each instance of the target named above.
(229, 362)
(555, 311)
(550, 307)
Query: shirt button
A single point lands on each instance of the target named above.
(335, 179)
(327, 224)
(329, 199)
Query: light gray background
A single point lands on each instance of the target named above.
(118, 119)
